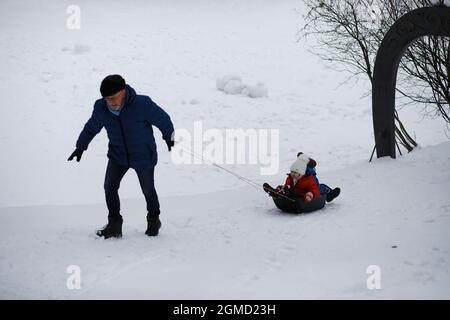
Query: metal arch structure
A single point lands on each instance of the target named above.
(428, 21)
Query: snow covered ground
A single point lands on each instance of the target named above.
(220, 237)
(235, 244)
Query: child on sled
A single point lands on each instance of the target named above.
(302, 190)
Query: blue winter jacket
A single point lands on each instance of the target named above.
(312, 172)
(131, 140)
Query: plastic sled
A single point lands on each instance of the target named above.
(298, 205)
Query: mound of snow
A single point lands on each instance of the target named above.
(258, 91)
(233, 87)
(232, 84)
(222, 82)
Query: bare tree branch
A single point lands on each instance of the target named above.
(349, 33)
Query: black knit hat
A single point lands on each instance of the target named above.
(111, 85)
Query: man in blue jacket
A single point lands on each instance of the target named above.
(128, 119)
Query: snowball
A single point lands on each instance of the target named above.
(222, 82)
(258, 91)
(245, 90)
(233, 87)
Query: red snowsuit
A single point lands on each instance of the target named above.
(304, 185)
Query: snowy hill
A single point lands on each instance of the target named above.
(220, 237)
(234, 244)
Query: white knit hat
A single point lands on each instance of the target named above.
(299, 165)
(305, 157)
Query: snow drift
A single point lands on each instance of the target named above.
(233, 85)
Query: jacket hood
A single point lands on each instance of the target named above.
(130, 95)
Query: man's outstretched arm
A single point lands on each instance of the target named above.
(92, 127)
(159, 118)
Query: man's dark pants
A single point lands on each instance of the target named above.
(113, 177)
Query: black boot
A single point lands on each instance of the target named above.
(274, 193)
(112, 229)
(332, 194)
(153, 225)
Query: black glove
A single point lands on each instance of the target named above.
(170, 144)
(77, 153)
